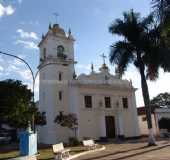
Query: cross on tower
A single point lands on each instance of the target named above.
(104, 57)
(56, 16)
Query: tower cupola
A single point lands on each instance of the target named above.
(58, 30)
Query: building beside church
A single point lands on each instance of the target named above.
(143, 126)
(103, 103)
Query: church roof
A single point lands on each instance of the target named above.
(58, 30)
(103, 77)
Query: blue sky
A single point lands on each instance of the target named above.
(22, 23)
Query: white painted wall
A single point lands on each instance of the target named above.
(50, 86)
(144, 127)
(92, 121)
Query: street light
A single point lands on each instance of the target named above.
(33, 78)
(26, 63)
(32, 75)
(24, 137)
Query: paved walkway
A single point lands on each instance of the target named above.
(132, 151)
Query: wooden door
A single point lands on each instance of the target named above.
(110, 126)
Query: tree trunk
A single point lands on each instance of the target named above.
(146, 98)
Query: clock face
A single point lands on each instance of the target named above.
(60, 50)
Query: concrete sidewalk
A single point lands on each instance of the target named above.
(132, 151)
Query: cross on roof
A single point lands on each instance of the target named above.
(104, 57)
(56, 16)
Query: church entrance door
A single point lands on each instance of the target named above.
(110, 126)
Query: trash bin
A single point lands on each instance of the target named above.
(28, 143)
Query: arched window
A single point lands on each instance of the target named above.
(60, 50)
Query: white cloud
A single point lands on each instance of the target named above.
(18, 63)
(9, 10)
(27, 44)
(21, 56)
(25, 74)
(13, 68)
(1, 68)
(1, 58)
(21, 70)
(10, 68)
(27, 35)
(6, 11)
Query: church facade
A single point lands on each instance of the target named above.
(103, 104)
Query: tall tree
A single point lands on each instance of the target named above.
(162, 99)
(162, 12)
(140, 46)
(16, 106)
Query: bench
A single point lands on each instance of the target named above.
(90, 144)
(60, 152)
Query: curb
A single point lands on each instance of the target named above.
(86, 152)
(70, 158)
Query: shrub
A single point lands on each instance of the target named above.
(73, 141)
(86, 138)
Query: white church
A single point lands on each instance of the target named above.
(104, 104)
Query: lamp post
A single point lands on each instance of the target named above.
(33, 79)
(26, 63)
(32, 75)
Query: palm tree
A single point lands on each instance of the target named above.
(140, 46)
(162, 12)
(162, 9)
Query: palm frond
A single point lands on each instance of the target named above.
(121, 54)
(161, 9)
(165, 57)
(130, 27)
(152, 59)
(117, 27)
(147, 21)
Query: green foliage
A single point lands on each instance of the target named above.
(141, 45)
(163, 99)
(16, 105)
(73, 141)
(162, 12)
(69, 121)
(141, 41)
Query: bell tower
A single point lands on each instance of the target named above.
(56, 69)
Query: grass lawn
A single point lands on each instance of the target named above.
(128, 150)
(45, 154)
(8, 155)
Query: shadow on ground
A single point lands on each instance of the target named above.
(126, 151)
